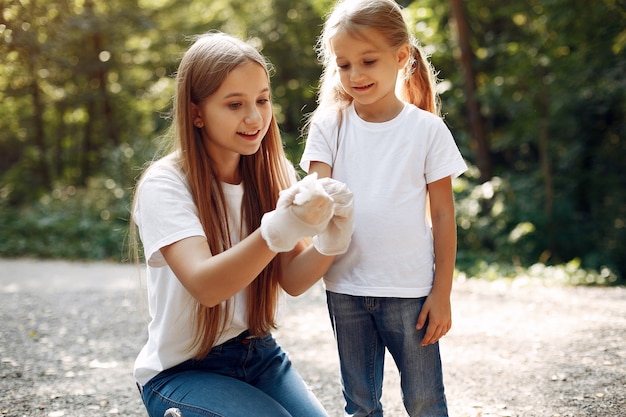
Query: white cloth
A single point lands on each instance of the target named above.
(302, 211)
(387, 166)
(165, 213)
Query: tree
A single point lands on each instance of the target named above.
(475, 119)
(534, 95)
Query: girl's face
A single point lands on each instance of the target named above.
(236, 117)
(368, 68)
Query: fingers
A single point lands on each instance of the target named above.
(437, 324)
(344, 210)
(300, 192)
(421, 319)
(434, 333)
(333, 186)
(341, 195)
(317, 210)
(303, 210)
(338, 190)
(307, 200)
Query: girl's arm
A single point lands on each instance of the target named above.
(437, 307)
(323, 169)
(213, 279)
(204, 275)
(304, 266)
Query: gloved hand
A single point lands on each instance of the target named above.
(335, 239)
(302, 210)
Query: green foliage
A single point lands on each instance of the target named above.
(69, 222)
(570, 273)
(553, 99)
(501, 233)
(75, 89)
(85, 88)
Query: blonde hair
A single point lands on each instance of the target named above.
(385, 16)
(203, 68)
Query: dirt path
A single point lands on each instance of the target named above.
(69, 333)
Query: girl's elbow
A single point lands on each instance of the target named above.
(204, 295)
(296, 293)
(292, 290)
(210, 302)
(207, 300)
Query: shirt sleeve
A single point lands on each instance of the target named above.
(164, 212)
(444, 158)
(321, 142)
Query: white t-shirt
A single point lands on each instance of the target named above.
(165, 213)
(387, 166)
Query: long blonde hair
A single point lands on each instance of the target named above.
(203, 68)
(385, 16)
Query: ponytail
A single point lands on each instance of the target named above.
(419, 81)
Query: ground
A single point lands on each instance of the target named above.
(69, 333)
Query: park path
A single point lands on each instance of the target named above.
(69, 332)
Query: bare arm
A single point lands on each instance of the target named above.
(323, 170)
(213, 279)
(437, 306)
(303, 267)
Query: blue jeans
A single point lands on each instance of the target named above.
(241, 378)
(364, 327)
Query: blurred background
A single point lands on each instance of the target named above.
(534, 92)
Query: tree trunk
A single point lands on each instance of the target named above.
(40, 136)
(107, 109)
(89, 151)
(480, 144)
(546, 166)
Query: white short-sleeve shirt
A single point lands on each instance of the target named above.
(387, 166)
(165, 213)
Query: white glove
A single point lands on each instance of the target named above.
(302, 210)
(335, 239)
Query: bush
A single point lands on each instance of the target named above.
(503, 232)
(497, 236)
(70, 223)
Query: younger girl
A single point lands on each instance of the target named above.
(392, 287)
(212, 221)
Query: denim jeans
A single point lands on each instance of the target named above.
(243, 377)
(364, 327)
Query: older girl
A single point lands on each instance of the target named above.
(212, 218)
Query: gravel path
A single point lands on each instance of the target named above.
(69, 333)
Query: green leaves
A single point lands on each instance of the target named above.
(85, 88)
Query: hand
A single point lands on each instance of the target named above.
(335, 239)
(302, 210)
(437, 311)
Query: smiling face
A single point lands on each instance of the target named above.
(368, 69)
(235, 118)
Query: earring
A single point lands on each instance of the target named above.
(198, 123)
